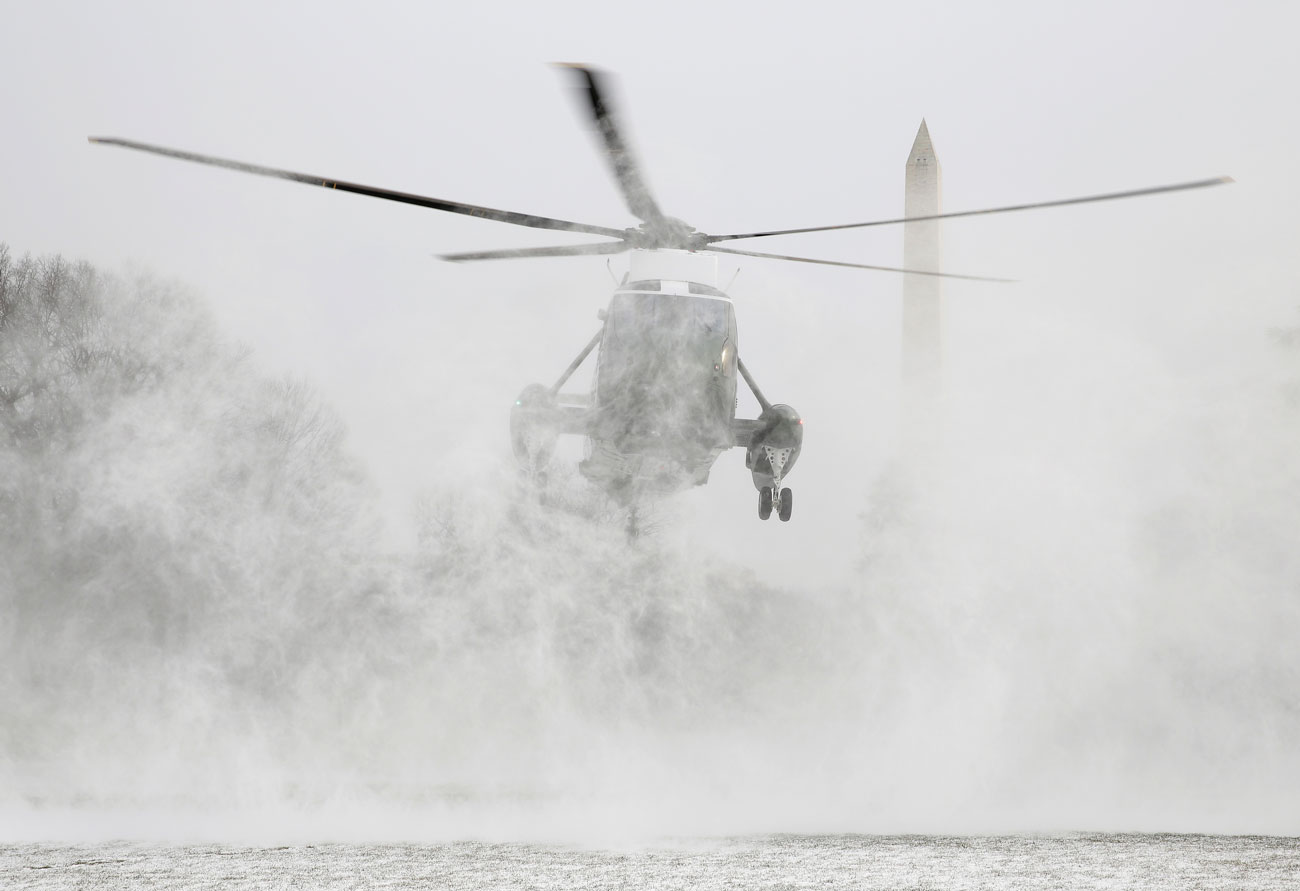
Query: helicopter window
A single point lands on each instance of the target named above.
(643, 286)
(637, 316)
(674, 313)
(633, 314)
(712, 315)
(697, 288)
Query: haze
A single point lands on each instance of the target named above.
(1084, 619)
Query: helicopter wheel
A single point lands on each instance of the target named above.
(787, 505)
(764, 503)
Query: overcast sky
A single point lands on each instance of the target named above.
(744, 116)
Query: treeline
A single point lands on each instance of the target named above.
(176, 529)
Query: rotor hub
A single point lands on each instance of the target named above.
(666, 233)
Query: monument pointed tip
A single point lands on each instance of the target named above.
(922, 146)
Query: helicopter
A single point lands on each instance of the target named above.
(663, 401)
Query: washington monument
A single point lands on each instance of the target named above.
(922, 297)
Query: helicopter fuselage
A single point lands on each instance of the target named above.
(664, 393)
(662, 406)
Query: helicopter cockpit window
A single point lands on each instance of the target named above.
(712, 315)
(639, 317)
(633, 315)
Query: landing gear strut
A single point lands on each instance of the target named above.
(774, 496)
(772, 445)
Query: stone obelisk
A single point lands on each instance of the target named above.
(922, 299)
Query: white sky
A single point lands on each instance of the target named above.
(745, 116)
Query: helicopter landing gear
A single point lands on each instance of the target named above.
(534, 430)
(773, 496)
(533, 469)
(770, 498)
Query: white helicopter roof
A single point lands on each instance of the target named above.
(674, 265)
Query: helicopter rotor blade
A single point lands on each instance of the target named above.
(568, 250)
(1109, 196)
(487, 213)
(621, 160)
(973, 278)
